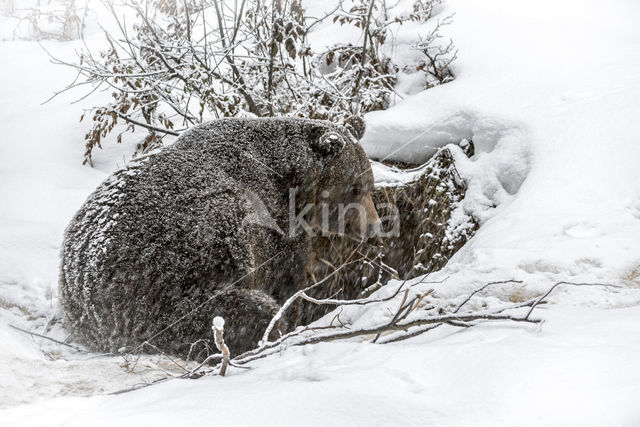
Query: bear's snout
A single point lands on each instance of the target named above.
(372, 221)
(364, 220)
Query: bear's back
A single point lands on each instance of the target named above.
(148, 234)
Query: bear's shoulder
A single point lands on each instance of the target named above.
(285, 148)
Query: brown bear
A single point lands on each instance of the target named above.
(221, 223)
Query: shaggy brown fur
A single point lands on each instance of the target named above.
(201, 229)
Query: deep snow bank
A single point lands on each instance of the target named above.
(548, 93)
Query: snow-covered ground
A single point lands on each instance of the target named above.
(550, 94)
(579, 370)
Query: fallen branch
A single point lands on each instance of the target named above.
(399, 323)
(541, 299)
(400, 327)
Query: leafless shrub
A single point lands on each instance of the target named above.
(52, 19)
(185, 61)
(439, 56)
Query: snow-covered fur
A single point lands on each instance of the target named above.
(201, 229)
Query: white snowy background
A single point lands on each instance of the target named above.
(549, 91)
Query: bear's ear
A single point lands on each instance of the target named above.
(356, 127)
(326, 142)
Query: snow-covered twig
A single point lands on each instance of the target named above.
(541, 299)
(482, 288)
(218, 332)
(35, 334)
(342, 302)
(294, 297)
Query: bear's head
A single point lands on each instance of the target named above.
(342, 202)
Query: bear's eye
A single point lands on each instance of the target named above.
(355, 191)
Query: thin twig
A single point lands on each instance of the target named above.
(50, 339)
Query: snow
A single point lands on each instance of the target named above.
(579, 370)
(549, 95)
(556, 139)
(218, 323)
